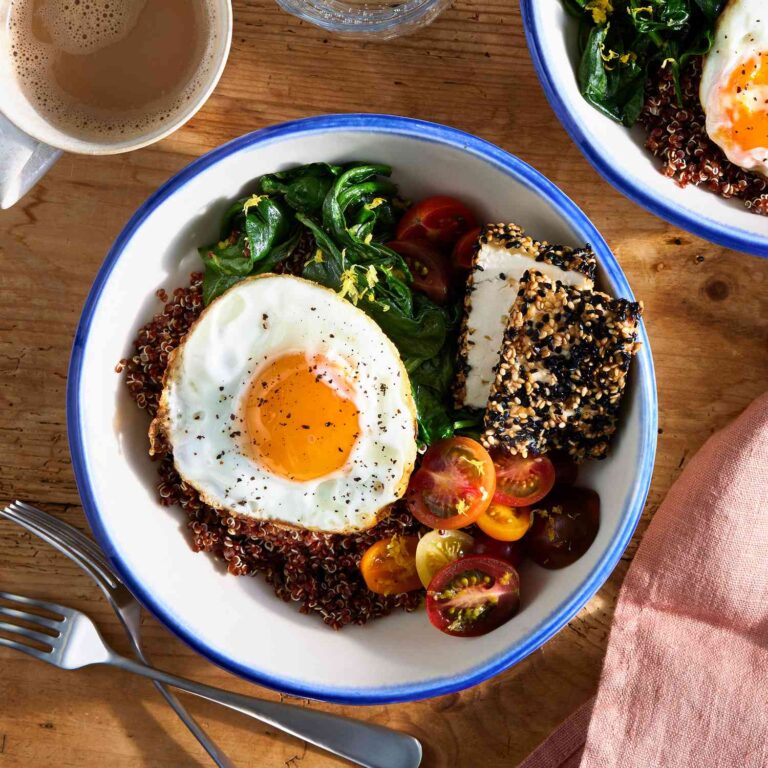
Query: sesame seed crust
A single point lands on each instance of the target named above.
(511, 237)
(562, 371)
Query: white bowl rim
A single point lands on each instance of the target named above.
(739, 239)
(644, 370)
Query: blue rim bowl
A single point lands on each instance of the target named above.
(644, 373)
(556, 77)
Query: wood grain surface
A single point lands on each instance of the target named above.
(706, 313)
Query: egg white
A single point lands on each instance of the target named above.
(246, 329)
(741, 31)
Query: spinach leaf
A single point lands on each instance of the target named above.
(327, 265)
(419, 334)
(415, 325)
(266, 238)
(658, 15)
(303, 188)
(434, 419)
(621, 41)
(266, 223)
(333, 210)
(215, 283)
(710, 8)
(227, 257)
(232, 218)
(278, 253)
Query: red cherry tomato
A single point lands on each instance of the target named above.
(509, 551)
(473, 595)
(454, 484)
(521, 482)
(441, 219)
(464, 250)
(564, 527)
(427, 265)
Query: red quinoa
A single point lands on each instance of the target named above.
(677, 135)
(319, 571)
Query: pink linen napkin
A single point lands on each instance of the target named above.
(685, 678)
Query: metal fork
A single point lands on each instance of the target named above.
(85, 553)
(68, 639)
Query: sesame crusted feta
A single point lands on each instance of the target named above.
(503, 253)
(563, 370)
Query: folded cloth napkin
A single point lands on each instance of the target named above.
(685, 678)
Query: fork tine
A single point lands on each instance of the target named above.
(15, 629)
(35, 618)
(28, 649)
(64, 538)
(60, 610)
(54, 523)
(64, 544)
(30, 512)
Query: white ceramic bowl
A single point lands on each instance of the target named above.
(237, 622)
(616, 152)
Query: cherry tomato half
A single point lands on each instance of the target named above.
(454, 484)
(505, 523)
(389, 565)
(509, 551)
(441, 219)
(473, 595)
(427, 265)
(464, 250)
(521, 482)
(438, 548)
(564, 527)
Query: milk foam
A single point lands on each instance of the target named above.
(42, 30)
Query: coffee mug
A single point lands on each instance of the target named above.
(30, 143)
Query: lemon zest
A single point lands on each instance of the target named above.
(397, 550)
(600, 10)
(349, 285)
(477, 464)
(252, 202)
(635, 11)
(375, 203)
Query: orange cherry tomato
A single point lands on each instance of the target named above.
(521, 482)
(505, 523)
(454, 484)
(389, 565)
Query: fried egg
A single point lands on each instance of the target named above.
(734, 85)
(287, 403)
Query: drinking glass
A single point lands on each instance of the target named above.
(379, 19)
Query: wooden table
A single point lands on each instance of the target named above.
(706, 311)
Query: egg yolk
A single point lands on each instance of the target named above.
(300, 419)
(746, 105)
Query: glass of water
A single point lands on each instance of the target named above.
(380, 19)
